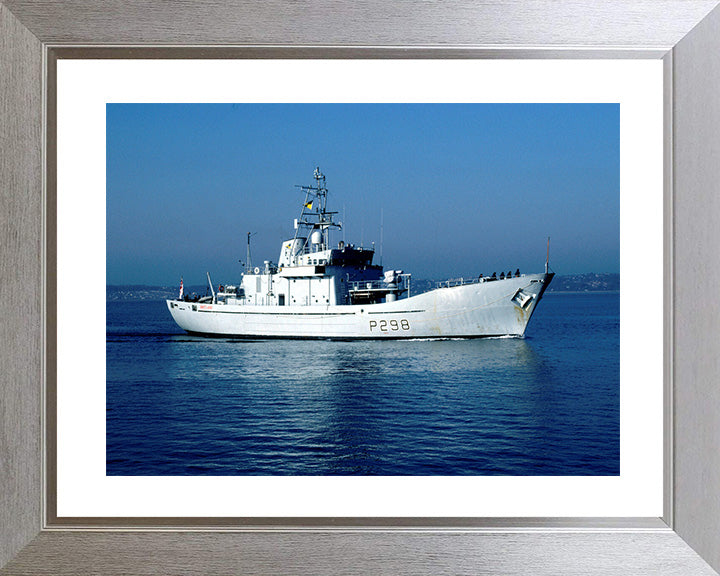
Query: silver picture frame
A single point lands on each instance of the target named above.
(685, 34)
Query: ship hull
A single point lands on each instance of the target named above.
(483, 309)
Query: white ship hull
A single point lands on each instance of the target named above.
(481, 309)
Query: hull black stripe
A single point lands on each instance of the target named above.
(399, 312)
(306, 313)
(278, 313)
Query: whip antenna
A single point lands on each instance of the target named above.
(547, 256)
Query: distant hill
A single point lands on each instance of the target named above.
(565, 283)
(585, 283)
(143, 292)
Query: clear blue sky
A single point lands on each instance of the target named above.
(463, 188)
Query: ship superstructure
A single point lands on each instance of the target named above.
(319, 291)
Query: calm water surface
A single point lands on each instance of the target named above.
(546, 404)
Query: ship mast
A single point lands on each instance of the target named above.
(248, 262)
(315, 207)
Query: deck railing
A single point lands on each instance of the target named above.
(462, 281)
(403, 284)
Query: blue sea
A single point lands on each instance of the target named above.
(545, 404)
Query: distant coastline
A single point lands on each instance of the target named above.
(562, 283)
(586, 283)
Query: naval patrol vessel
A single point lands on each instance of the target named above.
(319, 291)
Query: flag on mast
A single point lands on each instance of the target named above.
(309, 205)
(181, 289)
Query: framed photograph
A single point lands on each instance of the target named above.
(488, 403)
(76, 500)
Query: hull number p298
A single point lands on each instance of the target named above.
(389, 325)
